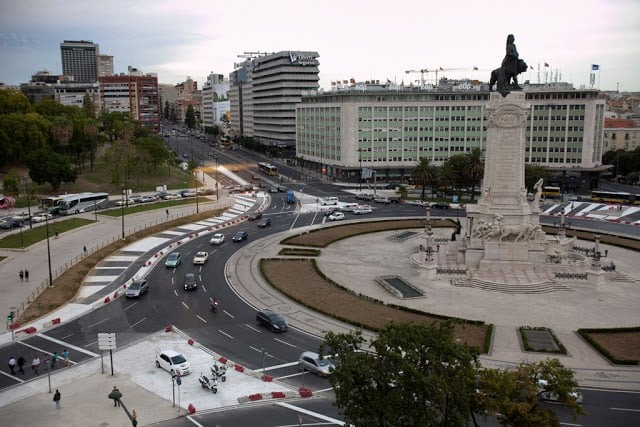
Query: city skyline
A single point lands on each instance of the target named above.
(194, 38)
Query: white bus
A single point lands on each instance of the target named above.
(83, 202)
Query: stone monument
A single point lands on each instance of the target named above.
(504, 227)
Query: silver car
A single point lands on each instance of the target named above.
(137, 288)
(310, 361)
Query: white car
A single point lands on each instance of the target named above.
(551, 396)
(173, 362)
(310, 361)
(416, 203)
(170, 196)
(41, 217)
(217, 239)
(361, 210)
(200, 258)
(336, 216)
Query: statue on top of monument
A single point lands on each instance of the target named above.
(512, 65)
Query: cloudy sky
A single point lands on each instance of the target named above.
(355, 38)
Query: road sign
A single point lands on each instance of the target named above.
(106, 341)
(367, 173)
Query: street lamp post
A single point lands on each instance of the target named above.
(46, 223)
(122, 213)
(217, 195)
(26, 186)
(360, 173)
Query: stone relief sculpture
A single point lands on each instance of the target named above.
(523, 232)
(559, 253)
(536, 198)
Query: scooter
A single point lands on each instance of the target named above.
(214, 304)
(211, 384)
(219, 372)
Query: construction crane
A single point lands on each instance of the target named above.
(423, 71)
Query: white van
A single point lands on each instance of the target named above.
(329, 201)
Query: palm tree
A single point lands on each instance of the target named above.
(424, 174)
(474, 169)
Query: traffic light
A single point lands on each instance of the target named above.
(10, 316)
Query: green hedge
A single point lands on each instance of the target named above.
(299, 252)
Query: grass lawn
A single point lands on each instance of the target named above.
(28, 237)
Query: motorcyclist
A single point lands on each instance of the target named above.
(214, 303)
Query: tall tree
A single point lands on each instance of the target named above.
(474, 169)
(88, 107)
(515, 396)
(12, 101)
(48, 166)
(418, 376)
(424, 174)
(190, 117)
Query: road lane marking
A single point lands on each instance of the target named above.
(228, 314)
(284, 365)
(127, 308)
(201, 318)
(203, 288)
(185, 305)
(138, 322)
(175, 292)
(285, 343)
(67, 345)
(225, 334)
(91, 343)
(96, 324)
(289, 376)
(11, 376)
(66, 336)
(252, 328)
(311, 413)
(625, 409)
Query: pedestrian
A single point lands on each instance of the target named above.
(116, 402)
(134, 417)
(26, 274)
(21, 274)
(65, 357)
(84, 250)
(21, 362)
(167, 213)
(54, 360)
(56, 398)
(35, 364)
(12, 365)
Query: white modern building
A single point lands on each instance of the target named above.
(389, 128)
(215, 100)
(264, 93)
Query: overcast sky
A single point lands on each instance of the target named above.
(355, 39)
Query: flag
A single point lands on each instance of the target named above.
(333, 83)
(441, 69)
(595, 67)
(475, 68)
(546, 65)
(531, 67)
(353, 81)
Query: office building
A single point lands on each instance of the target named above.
(80, 60)
(389, 128)
(264, 93)
(215, 100)
(105, 65)
(135, 93)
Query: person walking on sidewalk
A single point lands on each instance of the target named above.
(21, 274)
(65, 357)
(12, 365)
(35, 364)
(26, 274)
(21, 362)
(116, 402)
(56, 398)
(54, 360)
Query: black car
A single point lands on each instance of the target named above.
(264, 222)
(271, 320)
(190, 281)
(440, 205)
(9, 223)
(240, 236)
(255, 215)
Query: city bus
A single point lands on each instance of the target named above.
(551, 192)
(83, 202)
(615, 197)
(268, 168)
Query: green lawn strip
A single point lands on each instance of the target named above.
(28, 237)
(144, 207)
(622, 334)
(307, 285)
(299, 252)
(323, 237)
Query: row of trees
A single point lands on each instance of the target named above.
(461, 174)
(417, 375)
(626, 165)
(58, 142)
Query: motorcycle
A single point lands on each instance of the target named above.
(219, 372)
(214, 304)
(211, 384)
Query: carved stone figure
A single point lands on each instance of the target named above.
(538, 187)
(559, 253)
